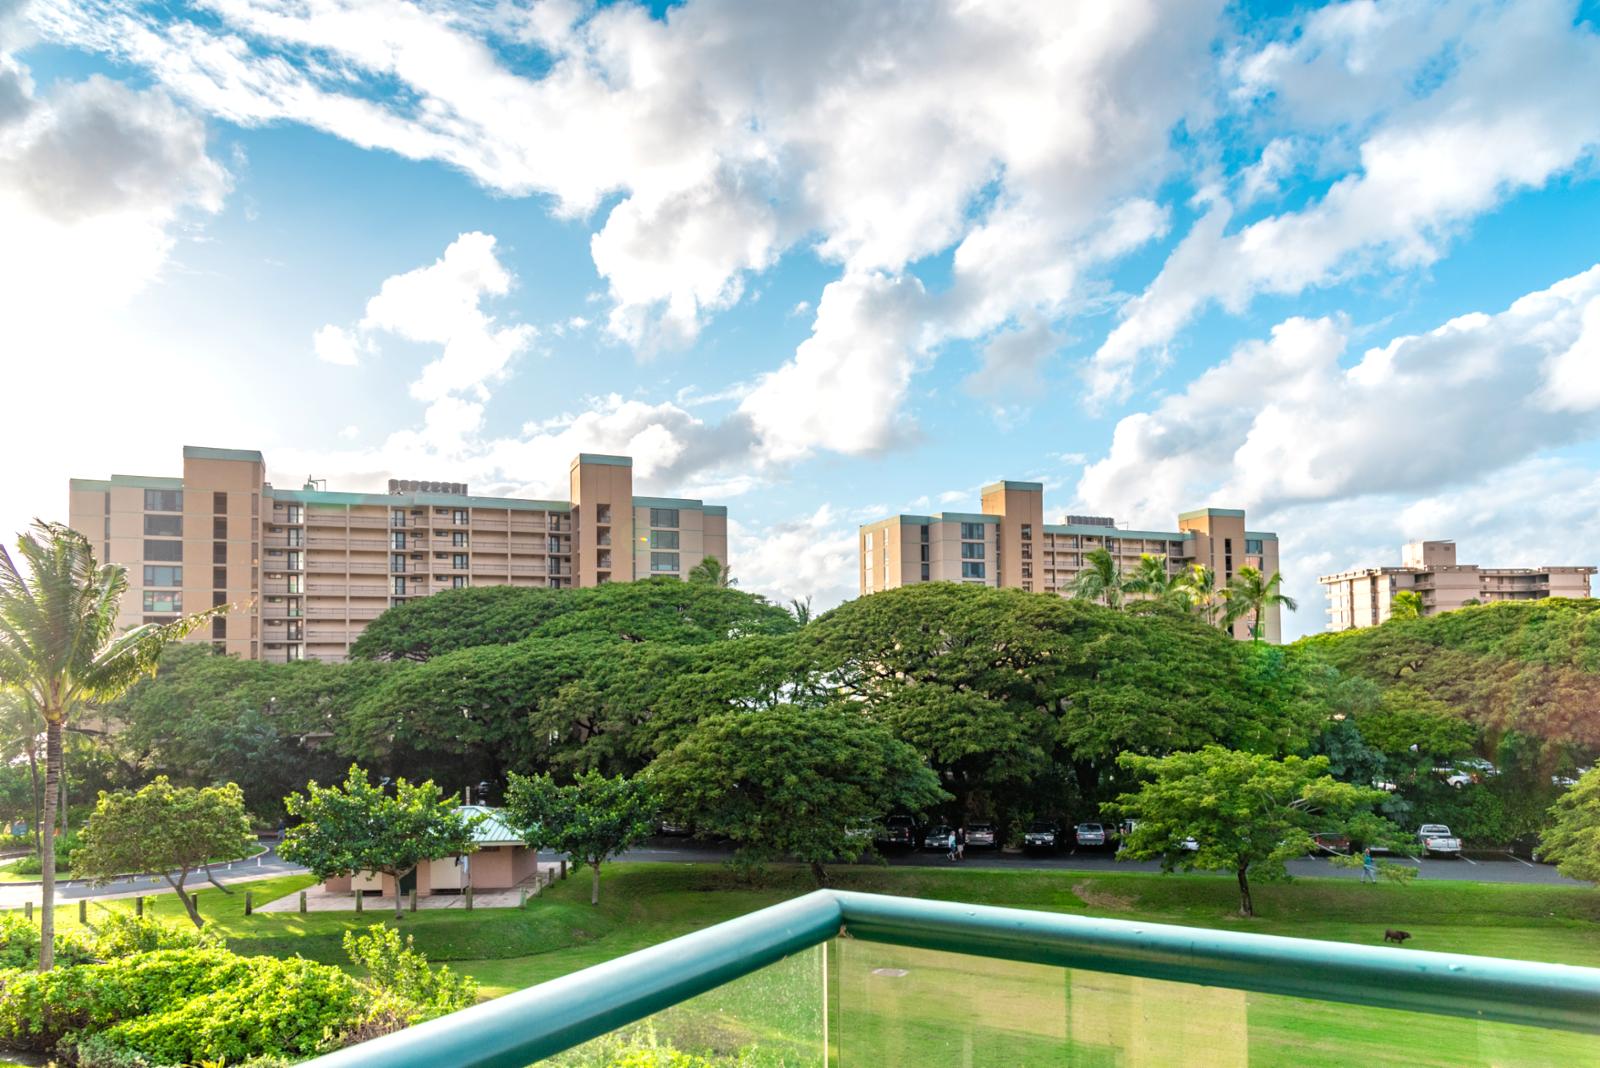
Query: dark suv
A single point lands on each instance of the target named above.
(899, 832)
(1040, 837)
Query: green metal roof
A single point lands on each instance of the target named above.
(493, 829)
(1224, 513)
(967, 517)
(201, 452)
(1003, 484)
(1262, 535)
(716, 509)
(602, 458)
(135, 481)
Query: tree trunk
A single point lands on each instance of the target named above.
(184, 896)
(594, 886)
(47, 842)
(398, 897)
(212, 879)
(819, 873)
(38, 796)
(64, 816)
(1246, 906)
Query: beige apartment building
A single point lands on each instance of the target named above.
(316, 566)
(1364, 597)
(1009, 544)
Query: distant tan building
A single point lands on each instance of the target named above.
(1009, 544)
(319, 565)
(1364, 597)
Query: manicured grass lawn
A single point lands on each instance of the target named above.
(953, 1009)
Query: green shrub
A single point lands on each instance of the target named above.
(398, 972)
(123, 933)
(179, 1006)
(19, 944)
(97, 1051)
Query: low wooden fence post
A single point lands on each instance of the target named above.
(138, 905)
(83, 911)
(468, 894)
(249, 903)
(27, 911)
(360, 899)
(302, 901)
(413, 899)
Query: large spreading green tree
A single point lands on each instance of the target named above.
(1217, 809)
(592, 819)
(358, 826)
(60, 649)
(794, 782)
(1572, 838)
(166, 829)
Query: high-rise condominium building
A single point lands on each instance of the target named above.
(317, 565)
(1009, 544)
(1364, 597)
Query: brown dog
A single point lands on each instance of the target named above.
(1397, 937)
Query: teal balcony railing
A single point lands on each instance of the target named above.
(837, 978)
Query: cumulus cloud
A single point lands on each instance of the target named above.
(1499, 99)
(1405, 440)
(811, 556)
(719, 137)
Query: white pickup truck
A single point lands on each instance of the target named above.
(1436, 840)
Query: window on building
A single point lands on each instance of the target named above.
(926, 573)
(1027, 532)
(219, 503)
(295, 584)
(663, 539)
(219, 527)
(295, 561)
(663, 517)
(397, 541)
(458, 538)
(1252, 545)
(219, 578)
(397, 562)
(458, 561)
(163, 500)
(459, 517)
(458, 582)
(397, 518)
(163, 601)
(923, 549)
(399, 585)
(972, 550)
(163, 526)
(163, 550)
(294, 514)
(663, 561)
(159, 575)
(219, 552)
(972, 531)
(970, 569)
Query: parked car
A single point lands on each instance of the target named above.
(938, 837)
(980, 836)
(1436, 840)
(1331, 842)
(673, 830)
(1191, 846)
(1040, 837)
(1125, 828)
(899, 832)
(1092, 836)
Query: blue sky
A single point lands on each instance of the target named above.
(1334, 264)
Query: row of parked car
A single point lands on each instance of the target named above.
(1433, 839)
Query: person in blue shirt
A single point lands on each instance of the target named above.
(1369, 866)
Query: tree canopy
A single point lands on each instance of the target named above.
(1572, 839)
(358, 826)
(591, 820)
(793, 782)
(170, 830)
(1219, 809)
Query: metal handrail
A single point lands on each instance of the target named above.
(543, 1020)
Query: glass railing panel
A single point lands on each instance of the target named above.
(900, 1007)
(772, 1018)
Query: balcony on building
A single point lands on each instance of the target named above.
(836, 978)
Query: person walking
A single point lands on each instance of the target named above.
(961, 843)
(1369, 866)
(952, 844)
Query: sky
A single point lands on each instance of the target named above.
(1336, 264)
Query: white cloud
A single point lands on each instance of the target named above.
(731, 131)
(1512, 107)
(812, 556)
(1409, 439)
(336, 345)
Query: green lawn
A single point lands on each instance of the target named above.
(951, 1009)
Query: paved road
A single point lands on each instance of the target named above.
(1485, 868)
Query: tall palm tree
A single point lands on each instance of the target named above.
(1100, 580)
(712, 572)
(1250, 594)
(1200, 590)
(59, 649)
(800, 609)
(1407, 604)
(1153, 579)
